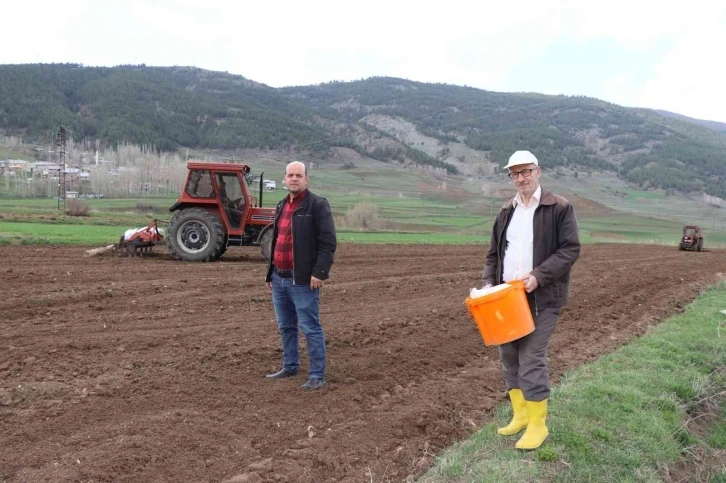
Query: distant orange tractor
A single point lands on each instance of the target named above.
(217, 210)
(692, 238)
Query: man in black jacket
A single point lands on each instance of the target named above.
(303, 245)
(534, 239)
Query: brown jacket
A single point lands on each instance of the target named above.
(556, 248)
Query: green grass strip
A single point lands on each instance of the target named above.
(52, 234)
(346, 236)
(717, 437)
(619, 419)
(99, 229)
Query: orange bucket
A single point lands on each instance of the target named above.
(502, 316)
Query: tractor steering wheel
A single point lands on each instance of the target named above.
(237, 204)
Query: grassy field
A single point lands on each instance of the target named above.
(608, 209)
(47, 233)
(605, 189)
(412, 206)
(347, 236)
(624, 418)
(611, 192)
(402, 220)
(636, 229)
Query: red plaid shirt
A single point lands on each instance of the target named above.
(283, 256)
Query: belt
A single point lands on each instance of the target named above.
(283, 273)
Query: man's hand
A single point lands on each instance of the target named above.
(316, 283)
(268, 285)
(530, 283)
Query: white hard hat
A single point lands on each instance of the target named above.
(521, 157)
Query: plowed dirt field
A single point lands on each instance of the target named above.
(152, 370)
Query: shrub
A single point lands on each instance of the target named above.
(75, 207)
(140, 206)
(362, 215)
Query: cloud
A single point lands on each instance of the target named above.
(35, 31)
(691, 77)
(500, 46)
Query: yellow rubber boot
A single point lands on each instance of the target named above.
(537, 430)
(520, 419)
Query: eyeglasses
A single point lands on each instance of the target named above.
(525, 172)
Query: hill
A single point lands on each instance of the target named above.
(452, 129)
(715, 125)
(642, 146)
(167, 107)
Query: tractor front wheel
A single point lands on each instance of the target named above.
(196, 235)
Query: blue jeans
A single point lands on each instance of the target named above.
(297, 305)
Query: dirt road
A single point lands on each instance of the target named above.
(152, 370)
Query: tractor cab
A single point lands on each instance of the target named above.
(232, 197)
(690, 231)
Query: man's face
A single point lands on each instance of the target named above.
(295, 178)
(526, 185)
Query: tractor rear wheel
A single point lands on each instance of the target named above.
(700, 245)
(266, 245)
(196, 235)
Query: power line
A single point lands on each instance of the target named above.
(60, 141)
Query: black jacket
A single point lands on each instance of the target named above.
(313, 239)
(556, 248)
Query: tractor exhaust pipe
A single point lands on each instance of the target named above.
(261, 183)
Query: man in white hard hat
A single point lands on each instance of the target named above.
(534, 239)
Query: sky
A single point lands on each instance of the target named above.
(636, 53)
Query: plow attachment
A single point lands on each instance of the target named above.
(139, 241)
(135, 242)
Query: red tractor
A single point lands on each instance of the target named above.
(692, 238)
(217, 210)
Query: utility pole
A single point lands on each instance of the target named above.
(60, 141)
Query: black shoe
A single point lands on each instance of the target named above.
(283, 373)
(315, 383)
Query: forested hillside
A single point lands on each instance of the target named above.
(164, 107)
(716, 126)
(643, 146)
(173, 107)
